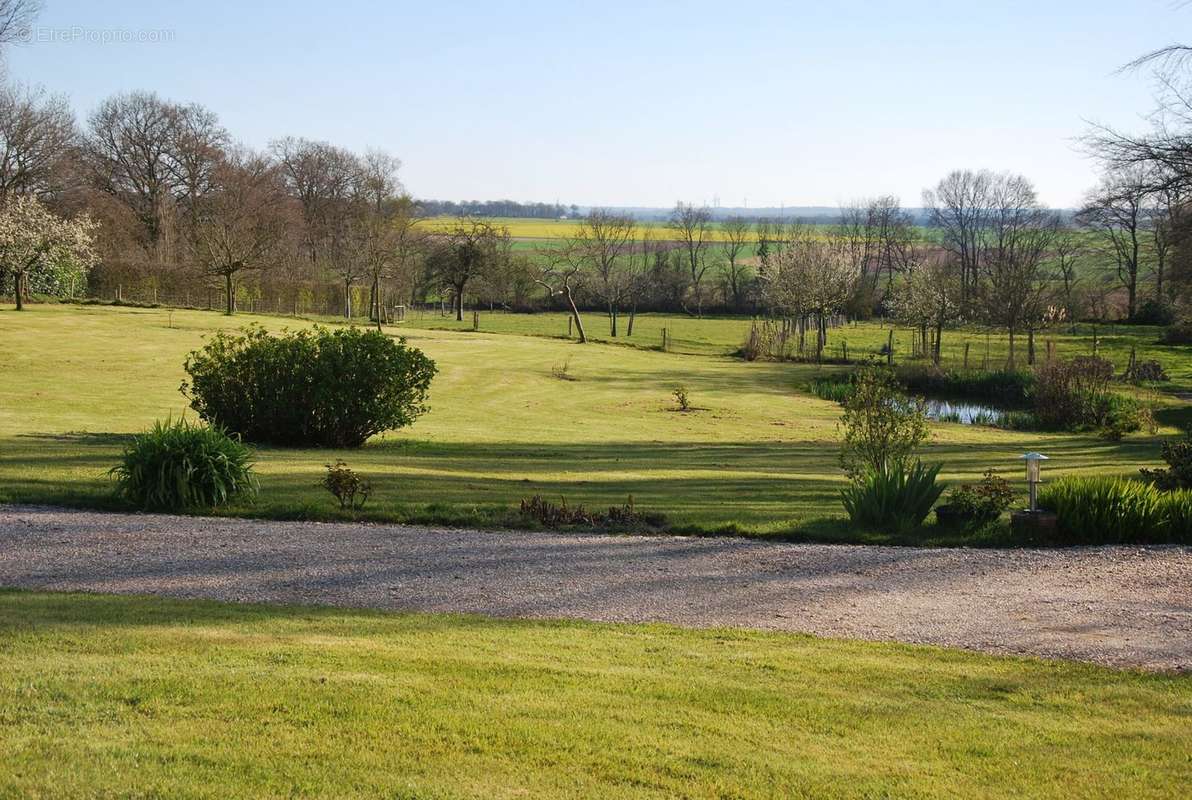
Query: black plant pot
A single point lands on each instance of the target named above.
(949, 516)
(1040, 524)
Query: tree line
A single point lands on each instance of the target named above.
(496, 208)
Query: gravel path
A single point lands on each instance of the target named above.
(1124, 606)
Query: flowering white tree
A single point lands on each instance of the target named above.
(928, 298)
(42, 251)
(811, 278)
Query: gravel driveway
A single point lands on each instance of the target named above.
(1125, 606)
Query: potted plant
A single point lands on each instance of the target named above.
(970, 505)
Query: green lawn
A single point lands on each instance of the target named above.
(725, 335)
(137, 697)
(758, 454)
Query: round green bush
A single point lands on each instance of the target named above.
(316, 387)
(180, 465)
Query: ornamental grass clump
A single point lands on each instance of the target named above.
(882, 429)
(179, 466)
(898, 497)
(1106, 510)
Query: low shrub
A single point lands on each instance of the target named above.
(682, 398)
(1178, 455)
(316, 387)
(1154, 312)
(882, 426)
(562, 371)
(1179, 332)
(1118, 415)
(621, 518)
(899, 496)
(1150, 371)
(178, 466)
(981, 502)
(1105, 510)
(1075, 395)
(346, 486)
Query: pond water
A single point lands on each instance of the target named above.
(964, 413)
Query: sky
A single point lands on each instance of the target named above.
(639, 103)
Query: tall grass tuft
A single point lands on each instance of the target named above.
(897, 497)
(1103, 510)
(178, 465)
(1005, 388)
(837, 387)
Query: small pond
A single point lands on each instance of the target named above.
(964, 413)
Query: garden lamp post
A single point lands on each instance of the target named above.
(1032, 476)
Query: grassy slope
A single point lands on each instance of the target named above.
(107, 696)
(758, 454)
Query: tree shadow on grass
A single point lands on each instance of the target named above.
(80, 438)
(776, 489)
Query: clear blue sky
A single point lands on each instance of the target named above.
(622, 103)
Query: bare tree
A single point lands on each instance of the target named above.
(959, 207)
(895, 234)
(768, 234)
(1116, 212)
(859, 238)
(1069, 252)
(1164, 154)
(1016, 292)
(245, 223)
(378, 243)
(37, 133)
(878, 236)
(560, 275)
(738, 234)
(150, 155)
(325, 180)
(1165, 216)
(410, 248)
(16, 19)
(386, 221)
(692, 227)
(649, 256)
(602, 244)
(378, 181)
(465, 253)
(197, 146)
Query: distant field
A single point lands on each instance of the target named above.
(520, 228)
(759, 454)
(531, 236)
